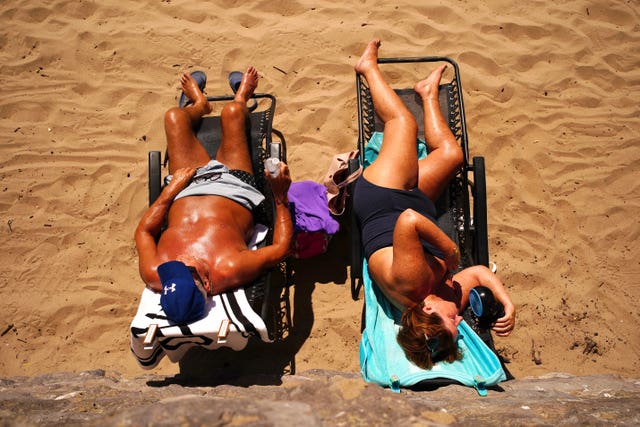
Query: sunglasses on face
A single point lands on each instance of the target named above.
(195, 275)
(432, 345)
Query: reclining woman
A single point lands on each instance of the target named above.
(409, 257)
(209, 206)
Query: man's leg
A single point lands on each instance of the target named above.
(397, 162)
(183, 147)
(445, 155)
(234, 149)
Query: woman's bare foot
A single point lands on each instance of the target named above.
(369, 57)
(193, 92)
(248, 85)
(428, 88)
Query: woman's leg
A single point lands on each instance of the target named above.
(183, 147)
(397, 162)
(234, 149)
(445, 155)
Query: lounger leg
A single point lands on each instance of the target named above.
(223, 331)
(150, 337)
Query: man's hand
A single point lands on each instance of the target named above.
(280, 184)
(283, 227)
(179, 181)
(181, 178)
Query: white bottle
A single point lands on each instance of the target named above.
(272, 165)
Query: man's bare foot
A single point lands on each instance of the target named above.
(247, 86)
(193, 92)
(428, 88)
(369, 57)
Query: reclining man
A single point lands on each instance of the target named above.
(209, 205)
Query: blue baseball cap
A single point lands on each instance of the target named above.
(181, 299)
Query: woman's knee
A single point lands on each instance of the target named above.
(402, 128)
(407, 121)
(453, 155)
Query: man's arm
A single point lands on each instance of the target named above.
(253, 263)
(283, 227)
(151, 223)
(478, 275)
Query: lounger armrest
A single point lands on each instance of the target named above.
(356, 246)
(155, 181)
(480, 212)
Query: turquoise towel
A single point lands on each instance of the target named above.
(375, 142)
(383, 362)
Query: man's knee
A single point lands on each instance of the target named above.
(233, 110)
(174, 117)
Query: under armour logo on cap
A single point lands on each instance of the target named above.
(180, 299)
(171, 288)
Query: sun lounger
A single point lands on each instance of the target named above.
(462, 214)
(260, 310)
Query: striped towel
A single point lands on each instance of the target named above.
(229, 322)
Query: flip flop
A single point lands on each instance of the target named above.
(201, 78)
(235, 78)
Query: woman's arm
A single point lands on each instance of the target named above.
(478, 275)
(411, 224)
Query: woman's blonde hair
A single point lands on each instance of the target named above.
(424, 338)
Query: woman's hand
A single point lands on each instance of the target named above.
(506, 323)
(478, 275)
(452, 259)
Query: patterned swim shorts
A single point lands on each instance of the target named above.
(215, 179)
(244, 176)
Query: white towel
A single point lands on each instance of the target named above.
(231, 308)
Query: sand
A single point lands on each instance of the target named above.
(551, 92)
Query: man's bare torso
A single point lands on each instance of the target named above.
(211, 228)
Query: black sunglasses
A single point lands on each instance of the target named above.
(207, 177)
(432, 345)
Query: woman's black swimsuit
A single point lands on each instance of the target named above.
(378, 208)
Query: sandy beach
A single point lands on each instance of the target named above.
(551, 93)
